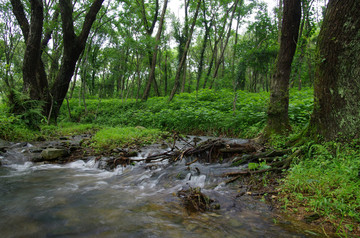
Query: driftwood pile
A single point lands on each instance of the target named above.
(215, 151)
(210, 151)
(195, 201)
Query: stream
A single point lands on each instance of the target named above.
(78, 199)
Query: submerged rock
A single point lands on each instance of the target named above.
(110, 163)
(53, 154)
(36, 157)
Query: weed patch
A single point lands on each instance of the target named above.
(326, 181)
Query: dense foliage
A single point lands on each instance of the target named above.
(204, 112)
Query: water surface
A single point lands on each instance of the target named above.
(80, 200)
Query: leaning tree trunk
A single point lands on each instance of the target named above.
(337, 83)
(73, 47)
(278, 119)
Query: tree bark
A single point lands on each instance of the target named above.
(34, 77)
(337, 82)
(278, 119)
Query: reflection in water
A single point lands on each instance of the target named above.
(80, 200)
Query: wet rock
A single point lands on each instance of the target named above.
(36, 150)
(23, 144)
(104, 162)
(125, 152)
(110, 163)
(3, 149)
(36, 157)
(53, 154)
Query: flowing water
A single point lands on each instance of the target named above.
(80, 200)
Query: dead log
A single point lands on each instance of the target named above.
(253, 157)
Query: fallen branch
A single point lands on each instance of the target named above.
(276, 167)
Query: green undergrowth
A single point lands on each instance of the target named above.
(326, 181)
(12, 127)
(206, 112)
(68, 129)
(111, 138)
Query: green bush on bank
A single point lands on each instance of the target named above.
(12, 127)
(206, 112)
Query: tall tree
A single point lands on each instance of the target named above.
(183, 58)
(278, 119)
(221, 58)
(337, 83)
(153, 61)
(208, 26)
(34, 75)
(149, 29)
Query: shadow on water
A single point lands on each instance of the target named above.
(80, 200)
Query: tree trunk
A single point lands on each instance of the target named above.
(166, 73)
(337, 82)
(278, 119)
(221, 58)
(214, 53)
(180, 67)
(154, 56)
(34, 74)
(34, 77)
(73, 47)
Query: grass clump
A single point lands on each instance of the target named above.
(111, 138)
(327, 182)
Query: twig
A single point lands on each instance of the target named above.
(187, 164)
